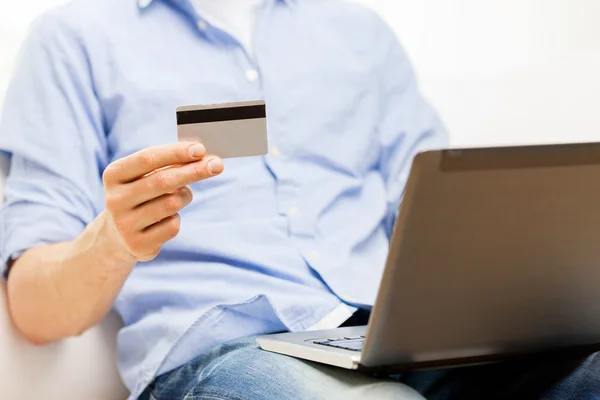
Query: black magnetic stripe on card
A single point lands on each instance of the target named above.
(221, 114)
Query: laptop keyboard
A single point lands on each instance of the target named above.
(354, 343)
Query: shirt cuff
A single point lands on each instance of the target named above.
(27, 225)
(335, 318)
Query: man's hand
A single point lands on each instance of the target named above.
(61, 289)
(145, 191)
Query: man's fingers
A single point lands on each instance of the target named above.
(132, 167)
(170, 179)
(160, 208)
(156, 235)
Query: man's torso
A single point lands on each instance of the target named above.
(275, 242)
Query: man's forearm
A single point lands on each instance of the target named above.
(62, 289)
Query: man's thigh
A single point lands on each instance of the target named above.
(548, 378)
(241, 371)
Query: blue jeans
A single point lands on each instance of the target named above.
(241, 371)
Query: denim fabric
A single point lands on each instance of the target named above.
(557, 378)
(241, 371)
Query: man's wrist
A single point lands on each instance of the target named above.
(102, 240)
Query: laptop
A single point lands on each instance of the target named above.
(495, 254)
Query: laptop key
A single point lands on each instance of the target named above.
(347, 343)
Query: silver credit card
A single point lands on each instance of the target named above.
(227, 129)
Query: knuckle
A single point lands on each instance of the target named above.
(200, 171)
(172, 203)
(187, 195)
(182, 153)
(172, 227)
(162, 180)
(111, 173)
(147, 158)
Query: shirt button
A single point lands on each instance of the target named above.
(314, 255)
(347, 297)
(275, 151)
(293, 210)
(202, 25)
(251, 75)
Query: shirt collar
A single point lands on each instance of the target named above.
(143, 4)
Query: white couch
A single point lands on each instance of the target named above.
(84, 367)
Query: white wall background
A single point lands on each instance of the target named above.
(506, 72)
(499, 72)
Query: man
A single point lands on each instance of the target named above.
(104, 209)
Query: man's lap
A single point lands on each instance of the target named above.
(241, 371)
(558, 378)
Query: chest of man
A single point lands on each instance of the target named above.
(319, 83)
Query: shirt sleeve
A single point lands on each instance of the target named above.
(51, 127)
(408, 123)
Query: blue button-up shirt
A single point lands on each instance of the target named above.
(274, 243)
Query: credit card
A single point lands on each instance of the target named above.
(228, 129)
